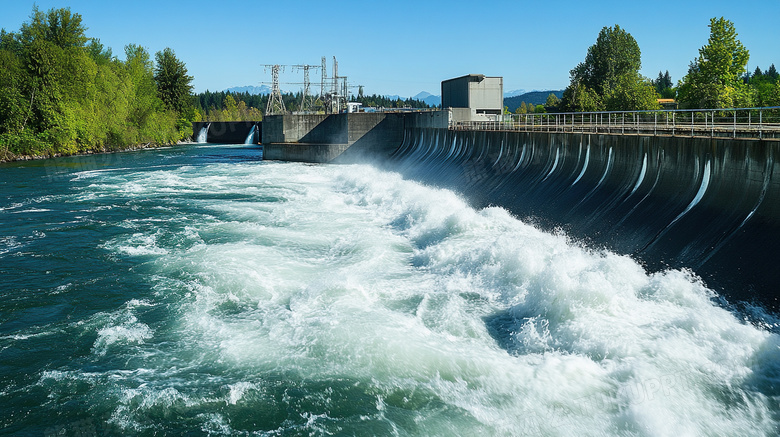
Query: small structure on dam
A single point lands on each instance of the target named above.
(473, 97)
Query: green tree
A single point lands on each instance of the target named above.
(63, 93)
(552, 100)
(610, 70)
(614, 54)
(579, 98)
(57, 26)
(714, 79)
(772, 73)
(630, 93)
(173, 83)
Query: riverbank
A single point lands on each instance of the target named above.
(6, 156)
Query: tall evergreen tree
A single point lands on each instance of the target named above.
(173, 82)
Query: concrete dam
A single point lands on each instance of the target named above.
(710, 205)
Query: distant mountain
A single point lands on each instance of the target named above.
(514, 93)
(428, 98)
(535, 97)
(253, 90)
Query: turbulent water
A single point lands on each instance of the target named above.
(197, 290)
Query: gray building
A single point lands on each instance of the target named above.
(474, 97)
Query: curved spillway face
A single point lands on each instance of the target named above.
(708, 205)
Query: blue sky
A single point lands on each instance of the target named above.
(404, 47)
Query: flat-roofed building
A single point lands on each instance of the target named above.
(474, 97)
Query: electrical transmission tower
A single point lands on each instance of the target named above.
(307, 101)
(324, 78)
(275, 104)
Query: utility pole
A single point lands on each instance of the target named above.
(275, 104)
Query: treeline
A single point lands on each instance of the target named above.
(241, 106)
(533, 101)
(64, 93)
(227, 106)
(609, 79)
(375, 101)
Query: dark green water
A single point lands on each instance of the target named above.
(197, 290)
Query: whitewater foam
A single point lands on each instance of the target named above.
(330, 299)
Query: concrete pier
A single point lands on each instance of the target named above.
(335, 137)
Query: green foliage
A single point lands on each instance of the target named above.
(714, 79)
(609, 77)
(628, 92)
(665, 86)
(552, 100)
(213, 106)
(63, 93)
(57, 26)
(579, 98)
(765, 87)
(173, 82)
(532, 97)
(375, 101)
(615, 54)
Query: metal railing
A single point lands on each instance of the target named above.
(761, 123)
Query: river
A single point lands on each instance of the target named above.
(198, 290)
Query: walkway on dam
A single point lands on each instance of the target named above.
(758, 123)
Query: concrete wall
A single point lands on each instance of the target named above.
(308, 128)
(356, 137)
(709, 205)
(435, 119)
(487, 96)
(227, 132)
(299, 152)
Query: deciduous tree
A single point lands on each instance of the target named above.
(714, 79)
(609, 72)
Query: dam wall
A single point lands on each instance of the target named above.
(227, 132)
(711, 205)
(352, 137)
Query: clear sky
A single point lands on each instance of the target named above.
(407, 46)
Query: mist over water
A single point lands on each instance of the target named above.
(197, 290)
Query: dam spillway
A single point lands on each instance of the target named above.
(711, 205)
